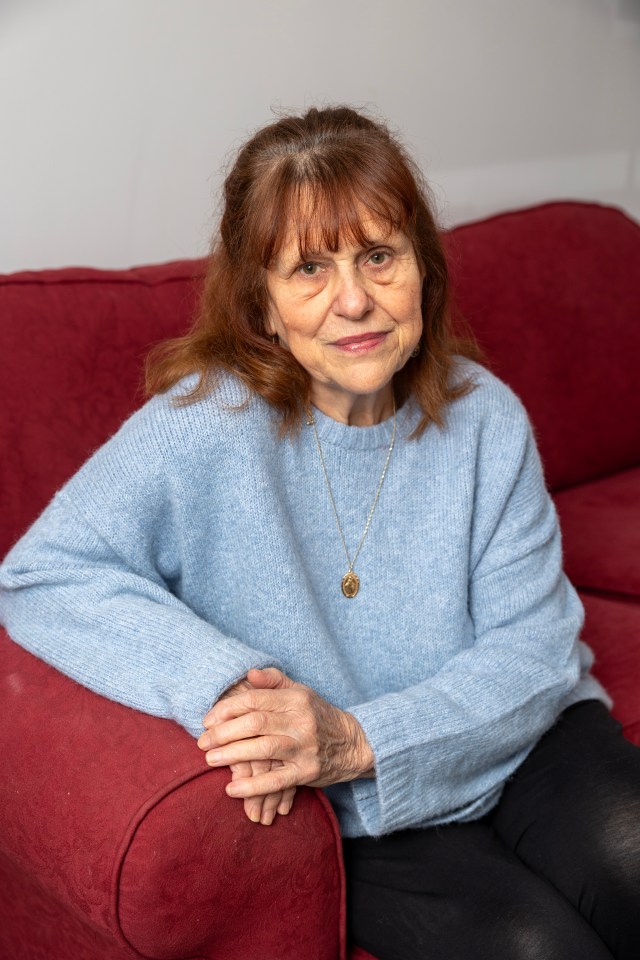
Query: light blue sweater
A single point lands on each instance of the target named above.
(196, 544)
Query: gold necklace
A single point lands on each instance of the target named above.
(351, 581)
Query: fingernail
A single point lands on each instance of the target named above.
(232, 790)
(205, 742)
(213, 757)
(267, 818)
(254, 816)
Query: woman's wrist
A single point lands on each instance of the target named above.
(363, 763)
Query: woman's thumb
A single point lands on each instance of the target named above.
(269, 679)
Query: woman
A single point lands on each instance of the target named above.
(327, 539)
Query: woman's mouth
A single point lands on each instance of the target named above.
(360, 343)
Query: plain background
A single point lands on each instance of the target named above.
(118, 116)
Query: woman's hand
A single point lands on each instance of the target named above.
(259, 809)
(262, 809)
(276, 719)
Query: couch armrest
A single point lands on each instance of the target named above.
(116, 816)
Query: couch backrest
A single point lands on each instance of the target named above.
(552, 292)
(72, 345)
(553, 295)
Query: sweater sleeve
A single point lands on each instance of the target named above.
(88, 589)
(444, 747)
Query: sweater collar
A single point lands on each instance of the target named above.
(364, 438)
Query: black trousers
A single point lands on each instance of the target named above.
(552, 873)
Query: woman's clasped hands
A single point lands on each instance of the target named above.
(275, 735)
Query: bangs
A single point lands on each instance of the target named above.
(319, 212)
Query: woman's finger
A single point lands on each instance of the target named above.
(252, 805)
(286, 802)
(254, 700)
(243, 769)
(256, 748)
(275, 803)
(270, 806)
(257, 723)
(262, 809)
(271, 802)
(270, 678)
(277, 781)
(230, 707)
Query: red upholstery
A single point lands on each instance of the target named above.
(113, 820)
(117, 840)
(552, 294)
(612, 630)
(75, 340)
(601, 529)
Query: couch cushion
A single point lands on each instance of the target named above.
(73, 342)
(553, 294)
(612, 630)
(601, 533)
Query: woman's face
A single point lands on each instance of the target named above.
(350, 318)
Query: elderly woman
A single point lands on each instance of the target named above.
(326, 539)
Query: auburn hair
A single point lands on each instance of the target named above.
(314, 174)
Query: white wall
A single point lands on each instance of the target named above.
(118, 114)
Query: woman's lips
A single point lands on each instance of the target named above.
(360, 342)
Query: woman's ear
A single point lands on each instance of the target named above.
(270, 331)
(270, 326)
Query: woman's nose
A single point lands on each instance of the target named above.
(351, 297)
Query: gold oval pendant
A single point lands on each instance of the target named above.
(350, 584)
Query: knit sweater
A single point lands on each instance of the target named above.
(197, 544)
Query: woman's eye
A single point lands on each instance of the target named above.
(379, 258)
(309, 269)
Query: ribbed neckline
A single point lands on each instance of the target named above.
(364, 438)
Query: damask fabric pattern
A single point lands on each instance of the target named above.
(38, 926)
(123, 842)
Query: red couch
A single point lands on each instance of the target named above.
(117, 841)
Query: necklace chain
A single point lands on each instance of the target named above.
(350, 581)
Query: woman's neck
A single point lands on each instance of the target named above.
(355, 410)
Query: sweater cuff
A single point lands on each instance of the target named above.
(386, 802)
(409, 791)
(207, 679)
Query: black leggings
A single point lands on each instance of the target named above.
(552, 873)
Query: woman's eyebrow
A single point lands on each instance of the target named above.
(291, 258)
